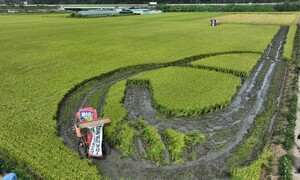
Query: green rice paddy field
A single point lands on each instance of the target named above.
(42, 56)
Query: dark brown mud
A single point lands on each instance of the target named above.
(225, 129)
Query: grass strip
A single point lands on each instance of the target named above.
(288, 47)
(175, 144)
(238, 64)
(253, 171)
(120, 133)
(151, 137)
(286, 167)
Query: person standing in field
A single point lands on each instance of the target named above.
(8, 176)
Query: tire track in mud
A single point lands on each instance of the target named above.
(249, 100)
(239, 116)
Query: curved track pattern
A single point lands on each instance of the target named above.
(225, 129)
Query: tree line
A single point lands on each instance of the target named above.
(138, 1)
(292, 5)
(287, 6)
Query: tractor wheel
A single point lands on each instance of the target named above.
(106, 148)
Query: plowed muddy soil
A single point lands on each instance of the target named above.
(225, 129)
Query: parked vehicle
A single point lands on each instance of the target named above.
(90, 130)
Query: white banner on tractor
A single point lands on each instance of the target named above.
(96, 144)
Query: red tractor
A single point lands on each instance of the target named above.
(90, 130)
